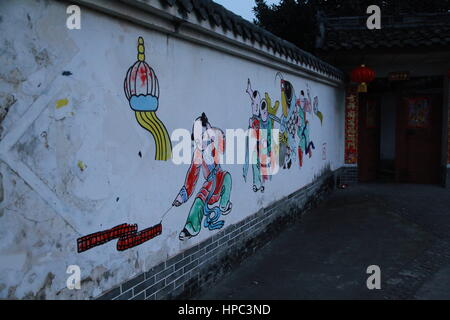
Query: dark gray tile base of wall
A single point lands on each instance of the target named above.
(347, 175)
(186, 274)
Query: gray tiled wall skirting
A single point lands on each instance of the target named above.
(186, 274)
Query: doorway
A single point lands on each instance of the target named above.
(400, 131)
(419, 129)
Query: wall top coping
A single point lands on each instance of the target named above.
(208, 23)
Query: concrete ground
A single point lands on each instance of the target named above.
(404, 229)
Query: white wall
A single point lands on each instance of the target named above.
(49, 202)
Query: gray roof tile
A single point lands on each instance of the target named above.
(426, 30)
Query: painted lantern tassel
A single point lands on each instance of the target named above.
(142, 91)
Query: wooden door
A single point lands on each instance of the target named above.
(418, 139)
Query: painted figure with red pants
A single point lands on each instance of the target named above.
(213, 199)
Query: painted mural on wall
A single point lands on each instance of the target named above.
(213, 200)
(141, 88)
(294, 131)
(351, 127)
(261, 126)
(211, 203)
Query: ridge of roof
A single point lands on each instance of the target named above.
(390, 21)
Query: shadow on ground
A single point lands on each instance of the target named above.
(404, 229)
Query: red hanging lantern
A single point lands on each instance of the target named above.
(363, 75)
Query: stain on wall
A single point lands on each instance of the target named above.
(61, 103)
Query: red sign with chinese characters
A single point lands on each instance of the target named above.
(351, 127)
(399, 76)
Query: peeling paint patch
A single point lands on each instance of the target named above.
(67, 73)
(5, 105)
(8, 101)
(30, 24)
(14, 76)
(41, 294)
(42, 57)
(62, 103)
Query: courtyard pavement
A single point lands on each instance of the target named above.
(404, 229)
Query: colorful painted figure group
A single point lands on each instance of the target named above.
(294, 130)
(294, 126)
(260, 127)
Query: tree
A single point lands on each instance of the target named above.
(297, 20)
(291, 20)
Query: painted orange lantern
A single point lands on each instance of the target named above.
(363, 75)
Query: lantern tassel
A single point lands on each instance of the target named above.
(150, 122)
(362, 87)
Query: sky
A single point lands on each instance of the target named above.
(243, 7)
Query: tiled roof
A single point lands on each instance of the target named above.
(217, 15)
(351, 33)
